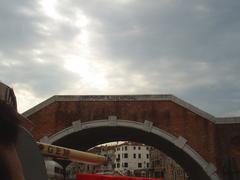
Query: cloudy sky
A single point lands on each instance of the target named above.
(187, 48)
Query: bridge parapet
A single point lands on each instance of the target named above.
(165, 97)
(228, 120)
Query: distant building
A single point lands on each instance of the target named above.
(132, 158)
(54, 169)
(75, 168)
(109, 153)
(163, 166)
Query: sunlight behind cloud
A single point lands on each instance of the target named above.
(26, 99)
(82, 22)
(88, 72)
(106, 47)
(124, 1)
(82, 60)
(49, 8)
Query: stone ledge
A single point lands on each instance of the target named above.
(228, 120)
(164, 97)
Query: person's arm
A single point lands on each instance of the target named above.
(10, 160)
(10, 165)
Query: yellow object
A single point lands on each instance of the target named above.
(70, 154)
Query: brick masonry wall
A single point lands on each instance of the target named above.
(227, 144)
(166, 115)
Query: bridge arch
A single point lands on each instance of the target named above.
(97, 132)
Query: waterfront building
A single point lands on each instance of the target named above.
(132, 158)
(165, 167)
(109, 152)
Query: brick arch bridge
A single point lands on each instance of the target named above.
(205, 146)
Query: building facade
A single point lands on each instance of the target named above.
(75, 168)
(163, 166)
(132, 157)
(109, 153)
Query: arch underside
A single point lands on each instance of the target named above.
(83, 138)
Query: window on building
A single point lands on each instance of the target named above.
(118, 157)
(134, 147)
(58, 170)
(118, 165)
(147, 165)
(139, 148)
(139, 165)
(125, 164)
(125, 148)
(125, 155)
(147, 156)
(178, 172)
(139, 155)
(147, 147)
(118, 149)
(134, 156)
(160, 162)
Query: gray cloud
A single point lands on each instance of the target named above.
(24, 43)
(45, 79)
(17, 29)
(190, 49)
(183, 48)
(146, 30)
